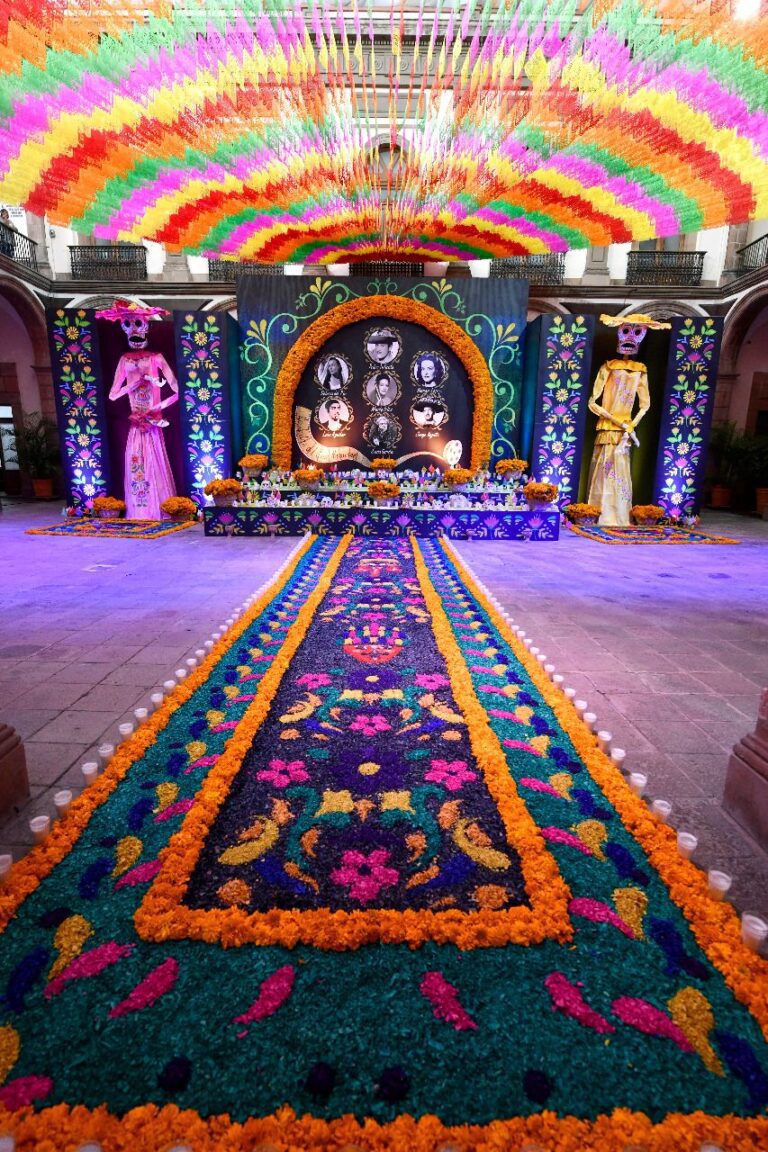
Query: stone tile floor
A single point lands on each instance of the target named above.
(669, 645)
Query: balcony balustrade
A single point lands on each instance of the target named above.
(751, 256)
(117, 262)
(227, 271)
(18, 247)
(542, 269)
(659, 269)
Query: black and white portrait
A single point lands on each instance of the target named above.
(382, 389)
(428, 413)
(429, 370)
(383, 345)
(333, 415)
(333, 372)
(382, 431)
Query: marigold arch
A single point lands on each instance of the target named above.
(389, 308)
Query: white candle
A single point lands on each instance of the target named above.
(191, 663)
(534, 651)
(550, 670)
(208, 645)
(570, 693)
(62, 800)
(590, 719)
(618, 755)
(40, 826)
(6, 861)
(719, 883)
(637, 782)
(754, 930)
(604, 740)
(580, 706)
(558, 680)
(125, 730)
(686, 844)
(200, 653)
(106, 752)
(141, 714)
(90, 771)
(180, 673)
(662, 809)
(541, 657)
(156, 699)
(169, 685)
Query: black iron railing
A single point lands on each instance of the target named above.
(680, 269)
(229, 270)
(388, 269)
(545, 268)
(754, 255)
(16, 246)
(108, 261)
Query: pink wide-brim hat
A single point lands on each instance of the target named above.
(124, 308)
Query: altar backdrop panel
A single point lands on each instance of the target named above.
(80, 407)
(274, 312)
(203, 364)
(686, 413)
(563, 387)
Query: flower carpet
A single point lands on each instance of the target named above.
(648, 534)
(365, 880)
(120, 529)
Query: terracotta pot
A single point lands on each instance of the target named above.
(43, 489)
(646, 521)
(537, 505)
(252, 473)
(761, 500)
(583, 519)
(224, 501)
(182, 517)
(109, 514)
(721, 496)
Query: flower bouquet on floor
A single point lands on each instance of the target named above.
(108, 507)
(224, 492)
(647, 514)
(540, 494)
(179, 508)
(582, 513)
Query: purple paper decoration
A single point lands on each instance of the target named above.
(79, 405)
(204, 401)
(689, 398)
(561, 402)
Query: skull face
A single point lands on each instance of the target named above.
(630, 338)
(136, 329)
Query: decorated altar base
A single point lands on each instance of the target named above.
(455, 524)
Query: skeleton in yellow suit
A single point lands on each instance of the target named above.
(617, 385)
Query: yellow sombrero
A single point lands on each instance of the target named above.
(633, 318)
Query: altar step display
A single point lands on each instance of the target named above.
(115, 529)
(648, 534)
(455, 524)
(432, 910)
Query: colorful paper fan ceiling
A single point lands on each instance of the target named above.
(327, 130)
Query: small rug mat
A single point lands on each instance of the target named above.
(364, 880)
(120, 529)
(648, 534)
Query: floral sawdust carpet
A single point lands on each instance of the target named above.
(120, 529)
(365, 879)
(648, 534)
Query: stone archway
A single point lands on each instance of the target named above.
(31, 313)
(738, 321)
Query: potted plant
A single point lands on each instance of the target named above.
(647, 514)
(179, 508)
(539, 493)
(224, 492)
(108, 507)
(511, 468)
(582, 513)
(39, 453)
(253, 464)
(728, 448)
(383, 492)
(457, 478)
(308, 478)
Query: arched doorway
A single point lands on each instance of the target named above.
(25, 374)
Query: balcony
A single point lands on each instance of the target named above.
(752, 256)
(665, 269)
(385, 269)
(116, 262)
(228, 271)
(543, 270)
(18, 247)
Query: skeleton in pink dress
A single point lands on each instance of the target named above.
(140, 375)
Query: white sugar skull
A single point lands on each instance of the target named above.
(630, 338)
(136, 329)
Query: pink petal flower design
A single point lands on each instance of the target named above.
(452, 774)
(365, 876)
(431, 681)
(370, 725)
(314, 679)
(282, 773)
